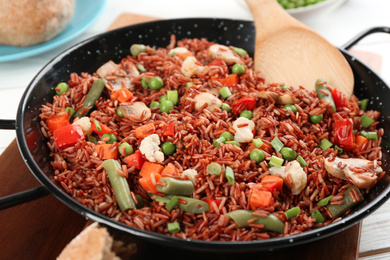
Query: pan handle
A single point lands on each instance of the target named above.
(348, 45)
(24, 196)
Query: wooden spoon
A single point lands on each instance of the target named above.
(287, 51)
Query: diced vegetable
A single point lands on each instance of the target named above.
(173, 227)
(149, 183)
(70, 111)
(244, 103)
(228, 136)
(172, 203)
(154, 104)
(68, 135)
(119, 184)
(316, 119)
(166, 106)
(238, 69)
(61, 88)
(257, 142)
(135, 160)
(229, 174)
(271, 183)
(176, 187)
(324, 201)
(155, 83)
(277, 144)
(173, 96)
(217, 142)
(122, 95)
(363, 104)
(240, 51)
(291, 107)
(260, 199)
(57, 121)
(301, 161)
(93, 95)
(344, 136)
(325, 144)
(225, 92)
(256, 155)
(318, 216)
(169, 170)
(236, 143)
(275, 161)
(339, 98)
(107, 152)
(324, 93)
(271, 222)
(169, 129)
(361, 143)
(100, 128)
(214, 169)
(149, 168)
(211, 201)
(247, 114)
(230, 81)
(109, 138)
(293, 212)
(366, 121)
(225, 107)
(145, 130)
(348, 202)
(141, 68)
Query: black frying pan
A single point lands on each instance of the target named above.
(87, 56)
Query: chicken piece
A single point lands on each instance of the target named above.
(243, 133)
(191, 67)
(361, 172)
(137, 112)
(221, 52)
(116, 84)
(297, 174)
(207, 98)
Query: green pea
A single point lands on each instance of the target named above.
(256, 155)
(247, 114)
(125, 149)
(291, 107)
(226, 107)
(168, 148)
(155, 83)
(238, 69)
(119, 112)
(144, 83)
(228, 136)
(111, 136)
(316, 119)
(61, 88)
(163, 97)
(154, 104)
(288, 153)
(166, 106)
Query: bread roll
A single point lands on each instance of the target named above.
(30, 22)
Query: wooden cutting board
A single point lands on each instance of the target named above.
(40, 229)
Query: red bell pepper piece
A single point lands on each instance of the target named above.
(135, 160)
(210, 201)
(340, 100)
(216, 63)
(57, 121)
(169, 129)
(244, 103)
(68, 135)
(103, 128)
(343, 134)
(230, 81)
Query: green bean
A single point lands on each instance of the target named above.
(225, 92)
(172, 203)
(323, 93)
(119, 184)
(318, 216)
(140, 202)
(338, 210)
(293, 212)
(271, 222)
(240, 51)
(173, 227)
(93, 95)
(217, 142)
(136, 49)
(236, 143)
(193, 205)
(229, 173)
(72, 111)
(175, 186)
(324, 201)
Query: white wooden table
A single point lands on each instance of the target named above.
(338, 27)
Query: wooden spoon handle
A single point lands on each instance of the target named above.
(270, 17)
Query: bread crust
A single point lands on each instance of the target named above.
(30, 22)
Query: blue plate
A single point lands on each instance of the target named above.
(86, 13)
